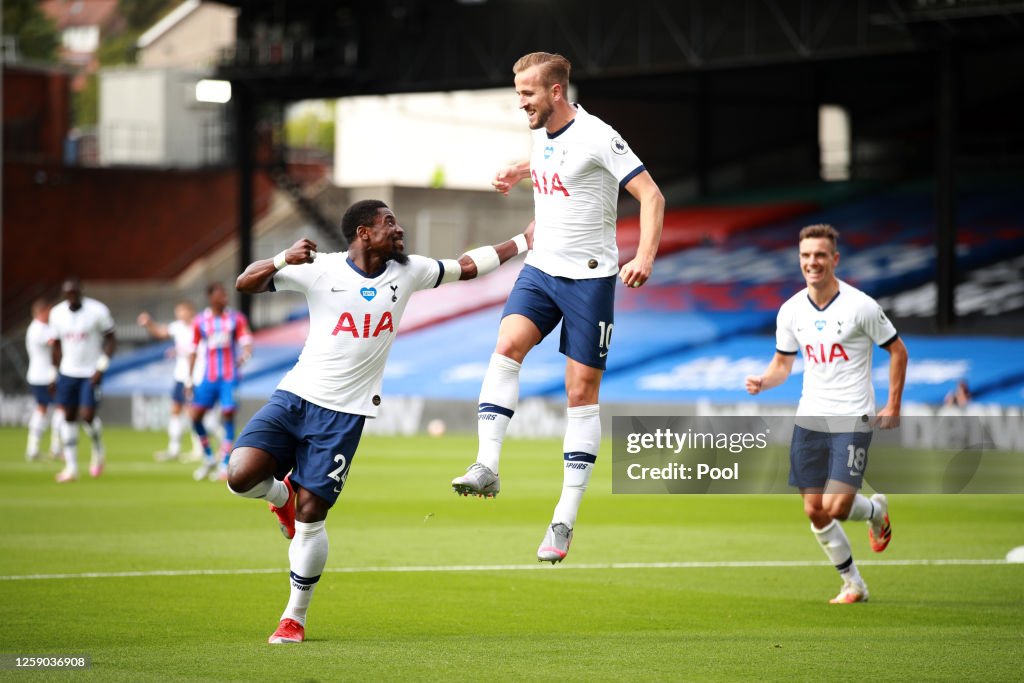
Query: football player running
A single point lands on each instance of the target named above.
(835, 327)
(297, 450)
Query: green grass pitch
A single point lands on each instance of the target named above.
(586, 619)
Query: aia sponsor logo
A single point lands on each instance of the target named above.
(347, 325)
(541, 185)
(818, 354)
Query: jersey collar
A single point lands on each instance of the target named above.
(552, 136)
(351, 263)
(830, 301)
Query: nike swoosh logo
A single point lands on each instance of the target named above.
(602, 354)
(337, 290)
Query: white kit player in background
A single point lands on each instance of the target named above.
(83, 332)
(296, 451)
(41, 378)
(180, 332)
(835, 327)
(577, 168)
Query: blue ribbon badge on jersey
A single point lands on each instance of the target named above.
(368, 293)
(548, 151)
(820, 324)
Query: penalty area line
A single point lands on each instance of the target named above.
(739, 564)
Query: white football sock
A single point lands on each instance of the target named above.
(863, 508)
(70, 439)
(307, 556)
(56, 431)
(837, 547)
(499, 396)
(94, 430)
(580, 445)
(174, 431)
(270, 490)
(36, 425)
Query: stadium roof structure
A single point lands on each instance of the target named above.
(289, 51)
(332, 48)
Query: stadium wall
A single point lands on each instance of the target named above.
(109, 225)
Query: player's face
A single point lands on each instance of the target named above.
(818, 260)
(184, 313)
(387, 237)
(219, 297)
(534, 98)
(73, 295)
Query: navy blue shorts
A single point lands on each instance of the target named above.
(74, 392)
(41, 393)
(209, 392)
(586, 309)
(818, 457)
(316, 444)
(178, 392)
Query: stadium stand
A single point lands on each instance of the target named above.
(698, 327)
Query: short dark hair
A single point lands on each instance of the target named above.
(214, 286)
(821, 230)
(363, 212)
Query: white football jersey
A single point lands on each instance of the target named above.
(182, 334)
(38, 340)
(353, 318)
(836, 343)
(576, 174)
(81, 335)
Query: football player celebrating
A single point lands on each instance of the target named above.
(835, 327)
(578, 166)
(296, 451)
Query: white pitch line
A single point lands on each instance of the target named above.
(751, 564)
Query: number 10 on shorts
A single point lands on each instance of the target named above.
(604, 341)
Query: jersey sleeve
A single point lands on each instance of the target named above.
(426, 272)
(616, 157)
(785, 341)
(875, 324)
(104, 321)
(297, 278)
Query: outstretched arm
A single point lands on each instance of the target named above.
(257, 276)
(652, 216)
(483, 260)
(156, 330)
(775, 374)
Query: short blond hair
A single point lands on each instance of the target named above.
(821, 230)
(554, 68)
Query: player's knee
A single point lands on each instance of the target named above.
(813, 510)
(840, 509)
(244, 472)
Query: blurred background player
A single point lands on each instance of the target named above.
(41, 376)
(959, 396)
(313, 421)
(835, 327)
(181, 332)
(578, 165)
(83, 342)
(222, 335)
